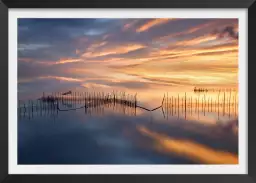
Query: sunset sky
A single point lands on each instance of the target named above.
(147, 56)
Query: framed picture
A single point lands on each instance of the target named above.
(136, 87)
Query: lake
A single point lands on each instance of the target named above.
(113, 133)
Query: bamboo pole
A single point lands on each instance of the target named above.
(229, 103)
(185, 106)
(178, 107)
(224, 105)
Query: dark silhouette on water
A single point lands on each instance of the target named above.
(87, 100)
(49, 99)
(198, 90)
(70, 137)
(171, 106)
(67, 93)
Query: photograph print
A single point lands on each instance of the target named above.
(127, 91)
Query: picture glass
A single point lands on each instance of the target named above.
(127, 91)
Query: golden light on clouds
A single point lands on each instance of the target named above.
(50, 63)
(195, 29)
(153, 23)
(196, 41)
(96, 45)
(185, 32)
(199, 27)
(64, 61)
(186, 54)
(94, 85)
(188, 67)
(129, 25)
(61, 78)
(114, 50)
(181, 52)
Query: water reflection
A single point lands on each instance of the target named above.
(114, 133)
(189, 149)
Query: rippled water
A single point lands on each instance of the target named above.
(119, 134)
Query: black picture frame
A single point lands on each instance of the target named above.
(5, 4)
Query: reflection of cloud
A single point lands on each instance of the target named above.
(189, 149)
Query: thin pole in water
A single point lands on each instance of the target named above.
(229, 103)
(172, 105)
(32, 106)
(185, 105)
(218, 104)
(167, 106)
(211, 104)
(191, 104)
(195, 104)
(178, 107)
(224, 105)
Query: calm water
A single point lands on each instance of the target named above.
(117, 134)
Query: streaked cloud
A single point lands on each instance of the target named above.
(130, 24)
(189, 31)
(64, 61)
(94, 32)
(153, 23)
(137, 55)
(60, 78)
(114, 50)
(25, 47)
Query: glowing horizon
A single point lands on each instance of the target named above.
(144, 56)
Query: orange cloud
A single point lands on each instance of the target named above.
(115, 50)
(50, 63)
(96, 45)
(64, 61)
(61, 78)
(95, 85)
(189, 31)
(199, 27)
(153, 23)
(196, 41)
(129, 25)
(192, 51)
(186, 66)
(77, 51)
